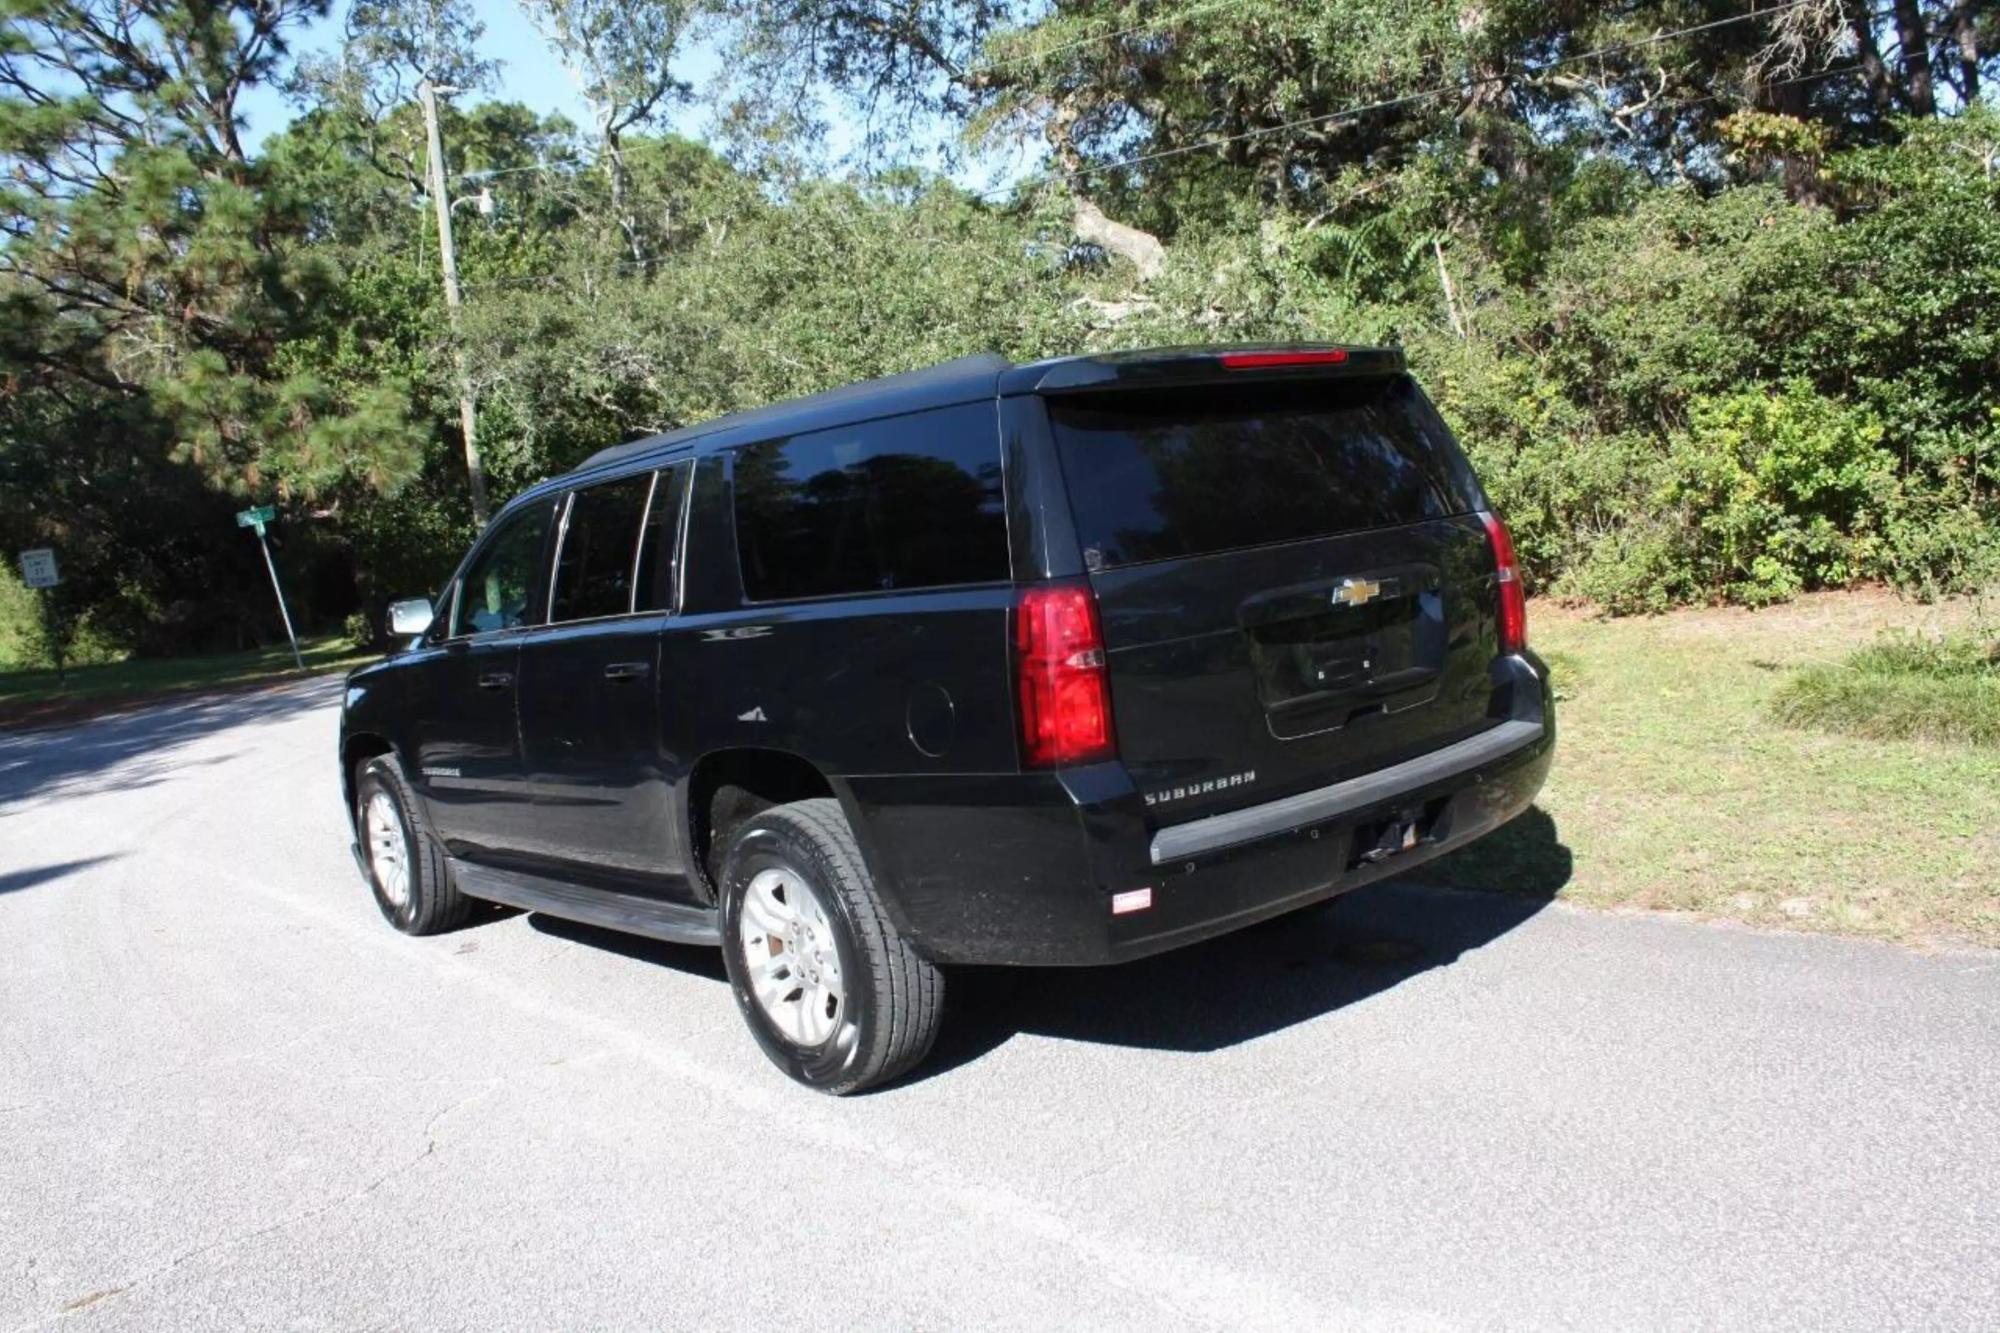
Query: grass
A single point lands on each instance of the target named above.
(1905, 686)
(36, 696)
(1677, 787)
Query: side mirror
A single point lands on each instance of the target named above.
(409, 617)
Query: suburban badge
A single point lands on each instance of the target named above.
(1170, 794)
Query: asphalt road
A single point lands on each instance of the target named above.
(231, 1096)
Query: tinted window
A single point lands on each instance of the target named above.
(500, 583)
(659, 554)
(910, 502)
(600, 542)
(1188, 472)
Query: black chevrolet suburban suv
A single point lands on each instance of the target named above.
(1062, 663)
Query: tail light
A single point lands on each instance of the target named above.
(1513, 600)
(1059, 668)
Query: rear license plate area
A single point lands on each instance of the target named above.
(1339, 651)
(1319, 663)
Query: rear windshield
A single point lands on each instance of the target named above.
(1203, 469)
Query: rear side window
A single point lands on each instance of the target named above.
(600, 543)
(659, 544)
(908, 502)
(1193, 471)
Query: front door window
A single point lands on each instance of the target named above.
(499, 586)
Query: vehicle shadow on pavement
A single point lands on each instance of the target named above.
(125, 751)
(1222, 992)
(1268, 977)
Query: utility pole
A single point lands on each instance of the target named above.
(475, 470)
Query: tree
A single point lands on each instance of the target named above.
(388, 49)
(1607, 236)
(621, 55)
(141, 243)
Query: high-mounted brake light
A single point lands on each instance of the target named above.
(1064, 690)
(1325, 356)
(1513, 599)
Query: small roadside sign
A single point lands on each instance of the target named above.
(257, 518)
(38, 568)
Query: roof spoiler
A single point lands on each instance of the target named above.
(1201, 365)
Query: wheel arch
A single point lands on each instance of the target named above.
(356, 748)
(727, 786)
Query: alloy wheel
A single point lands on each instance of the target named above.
(388, 848)
(794, 966)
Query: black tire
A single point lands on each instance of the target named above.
(892, 996)
(433, 902)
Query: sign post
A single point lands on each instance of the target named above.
(257, 518)
(38, 570)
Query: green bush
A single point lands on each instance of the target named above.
(20, 625)
(1735, 397)
(360, 630)
(1904, 686)
(24, 631)
(1771, 493)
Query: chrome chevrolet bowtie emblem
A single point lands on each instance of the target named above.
(1356, 592)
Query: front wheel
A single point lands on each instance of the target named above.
(406, 867)
(833, 992)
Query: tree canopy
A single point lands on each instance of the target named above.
(1708, 289)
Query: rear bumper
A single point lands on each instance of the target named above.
(1020, 869)
(1239, 828)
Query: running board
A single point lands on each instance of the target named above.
(655, 918)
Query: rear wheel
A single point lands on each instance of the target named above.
(405, 865)
(833, 992)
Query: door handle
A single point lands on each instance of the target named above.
(496, 680)
(626, 671)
